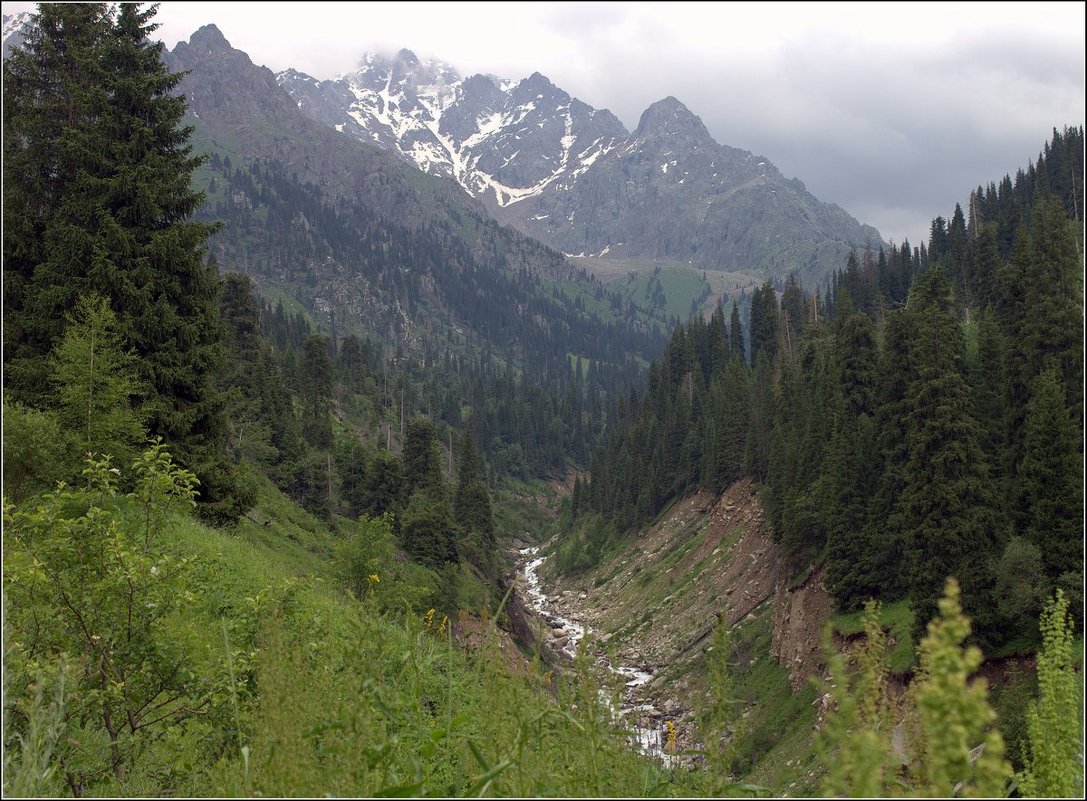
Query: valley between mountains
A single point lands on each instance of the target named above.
(651, 610)
(409, 434)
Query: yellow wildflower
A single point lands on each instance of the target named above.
(670, 747)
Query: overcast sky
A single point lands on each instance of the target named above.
(892, 111)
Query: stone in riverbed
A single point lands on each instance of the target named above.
(558, 633)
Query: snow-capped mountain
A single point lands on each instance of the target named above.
(12, 34)
(574, 177)
(501, 140)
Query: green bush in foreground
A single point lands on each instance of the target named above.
(1055, 725)
(87, 581)
(952, 747)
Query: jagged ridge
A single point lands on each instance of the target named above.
(575, 178)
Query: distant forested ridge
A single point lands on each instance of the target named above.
(519, 360)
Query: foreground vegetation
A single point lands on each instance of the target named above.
(177, 659)
(147, 654)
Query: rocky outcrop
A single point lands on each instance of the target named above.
(800, 613)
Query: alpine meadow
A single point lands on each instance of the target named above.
(409, 433)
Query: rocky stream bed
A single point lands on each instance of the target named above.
(636, 711)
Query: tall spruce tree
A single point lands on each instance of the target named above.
(49, 100)
(761, 420)
(316, 386)
(851, 472)
(947, 502)
(987, 385)
(736, 334)
(764, 323)
(114, 217)
(730, 412)
(422, 464)
(1049, 508)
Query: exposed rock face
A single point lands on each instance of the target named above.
(573, 177)
(799, 615)
(240, 106)
(656, 602)
(501, 140)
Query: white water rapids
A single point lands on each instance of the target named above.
(649, 739)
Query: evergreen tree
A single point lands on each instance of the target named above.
(239, 315)
(352, 363)
(426, 530)
(95, 382)
(384, 484)
(985, 265)
(276, 411)
(855, 348)
(730, 405)
(115, 219)
(351, 463)
(316, 391)
(243, 377)
(856, 560)
(1044, 318)
(472, 509)
(49, 100)
(950, 512)
(422, 464)
(736, 334)
(761, 425)
(987, 386)
(764, 323)
(1054, 298)
(794, 315)
(1049, 510)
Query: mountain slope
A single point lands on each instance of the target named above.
(573, 177)
(367, 243)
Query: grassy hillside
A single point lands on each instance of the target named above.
(287, 683)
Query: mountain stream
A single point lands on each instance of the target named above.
(649, 732)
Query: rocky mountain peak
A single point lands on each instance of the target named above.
(670, 117)
(538, 81)
(209, 40)
(14, 30)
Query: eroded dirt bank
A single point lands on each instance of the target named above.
(654, 606)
